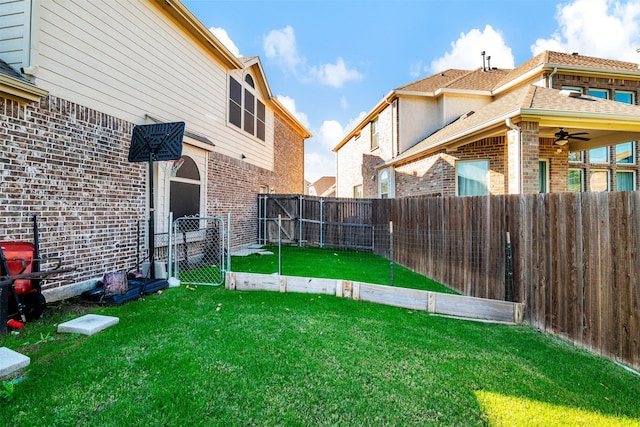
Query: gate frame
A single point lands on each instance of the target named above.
(172, 259)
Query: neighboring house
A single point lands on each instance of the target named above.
(323, 187)
(559, 122)
(75, 79)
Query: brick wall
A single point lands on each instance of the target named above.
(529, 153)
(68, 164)
(289, 160)
(427, 176)
(436, 174)
(233, 185)
(556, 156)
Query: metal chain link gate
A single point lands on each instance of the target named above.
(199, 253)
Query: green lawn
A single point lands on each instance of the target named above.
(205, 356)
(335, 264)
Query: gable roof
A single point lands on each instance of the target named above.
(498, 82)
(433, 82)
(202, 34)
(557, 62)
(479, 80)
(551, 107)
(325, 186)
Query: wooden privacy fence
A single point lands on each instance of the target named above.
(575, 258)
(414, 299)
(308, 220)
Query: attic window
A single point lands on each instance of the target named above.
(246, 111)
(249, 80)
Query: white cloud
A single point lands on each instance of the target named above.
(221, 34)
(601, 28)
(465, 52)
(415, 69)
(318, 164)
(290, 104)
(319, 159)
(331, 132)
(344, 104)
(334, 74)
(281, 46)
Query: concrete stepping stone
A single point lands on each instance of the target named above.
(88, 324)
(11, 361)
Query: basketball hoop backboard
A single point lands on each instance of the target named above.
(158, 142)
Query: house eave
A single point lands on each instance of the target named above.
(20, 90)
(196, 29)
(289, 118)
(379, 107)
(486, 129)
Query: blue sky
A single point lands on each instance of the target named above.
(330, 61)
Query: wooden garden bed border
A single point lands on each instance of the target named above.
(434, 302)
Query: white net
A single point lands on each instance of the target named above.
(170, 167)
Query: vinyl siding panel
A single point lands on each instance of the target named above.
(13, 27)
(128, 59)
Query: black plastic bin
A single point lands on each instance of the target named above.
(4, 305)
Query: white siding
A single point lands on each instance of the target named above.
(14, 32)
(128, 59)
(419, 116)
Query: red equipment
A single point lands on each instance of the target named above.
(20, 265)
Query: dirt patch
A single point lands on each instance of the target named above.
(70, 306)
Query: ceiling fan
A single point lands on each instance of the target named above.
(562, 136)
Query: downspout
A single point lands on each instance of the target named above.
(394, 144)
(395, 149)
(550, 81)
(518, 155)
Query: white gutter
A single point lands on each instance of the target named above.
(550, 82)
(518, 154)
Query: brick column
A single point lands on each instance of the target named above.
(523, 153)
(530, 155)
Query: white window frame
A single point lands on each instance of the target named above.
(487, 176)
(608, 155)
(633, 153)
(581, 160)
(381, 180)
(581, 171)
(633, 174)
(257, 105)
(626, 92)
(375, 138)
(592, 172)
(546, 173)
(357, 191)
(598, 90)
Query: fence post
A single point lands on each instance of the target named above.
(510, 290)
(169, 240)
(279, 244)
(321, 219)
(391, 250)
(228, 241)
(300, 222)
(260, 214)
